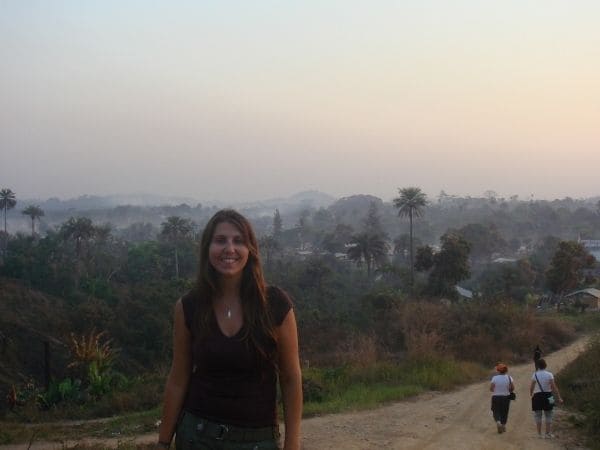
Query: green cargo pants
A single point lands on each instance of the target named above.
(196, 433)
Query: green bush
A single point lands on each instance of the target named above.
(312, 391)
(579, 382)
(65, 391)
(99, 381)
(5, 438)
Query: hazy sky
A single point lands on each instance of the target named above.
(243, 100)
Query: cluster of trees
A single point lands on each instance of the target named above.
(345, 264)
(8, 201)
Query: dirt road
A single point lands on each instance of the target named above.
(455, 420)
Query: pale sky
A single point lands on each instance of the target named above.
(246, 100)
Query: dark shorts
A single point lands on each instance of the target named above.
(196, 433)
(539, 401)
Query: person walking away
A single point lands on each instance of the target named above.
(537, 354)
(501, 386)
(542, 390)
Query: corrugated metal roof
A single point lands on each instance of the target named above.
(464, 292)
(590, 291)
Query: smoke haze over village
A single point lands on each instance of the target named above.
(238, 101)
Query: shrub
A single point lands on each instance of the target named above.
(579, 382)
(66, 390)
(357, 350)
(312, 391)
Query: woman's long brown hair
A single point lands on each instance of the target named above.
(258, 326)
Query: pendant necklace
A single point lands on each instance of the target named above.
(229, 311)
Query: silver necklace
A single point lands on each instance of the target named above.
(229, 309)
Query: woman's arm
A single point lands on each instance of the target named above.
(492, 386)
(179, 376)
(531, 388)
(554, 388)
(290, 380)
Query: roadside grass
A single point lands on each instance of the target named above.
(343, 388)
(113, 427)
(582, 322)
(579, 383)
(139, 394)
(360, 396)
(357, 388)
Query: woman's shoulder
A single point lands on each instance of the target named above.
(542, 374)
(279, 303)
(189, 302)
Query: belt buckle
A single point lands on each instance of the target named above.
(223, 431)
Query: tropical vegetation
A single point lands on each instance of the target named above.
(87, 297)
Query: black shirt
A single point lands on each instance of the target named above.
(231, 383)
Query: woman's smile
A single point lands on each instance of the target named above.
(228, 252)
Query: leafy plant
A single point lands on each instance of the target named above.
(89, 349)
(66, 390)
(99, 382)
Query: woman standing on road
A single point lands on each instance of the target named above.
(233, 338)
(501, 387)
(541, 390)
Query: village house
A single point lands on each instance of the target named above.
(589, 297)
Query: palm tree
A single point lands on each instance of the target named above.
(410, 203)
(7, 201)
(35, 212)
(175, 230)
(80, 229)
(367, 247)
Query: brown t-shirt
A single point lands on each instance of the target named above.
(231, 383)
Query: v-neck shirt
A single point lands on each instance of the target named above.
(231, 383)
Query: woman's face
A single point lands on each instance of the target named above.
(228, 252)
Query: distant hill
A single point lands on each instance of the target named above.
(95, 202)
(353, 209)
(123, 210)
(360, 202)
(287, 205)
(309, 199)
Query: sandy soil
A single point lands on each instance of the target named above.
(456, 420)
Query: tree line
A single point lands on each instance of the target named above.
(343, 264)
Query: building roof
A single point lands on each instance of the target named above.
(464, 292)
(590, 291)
(504, 260)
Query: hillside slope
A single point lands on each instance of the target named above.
(28, 318)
